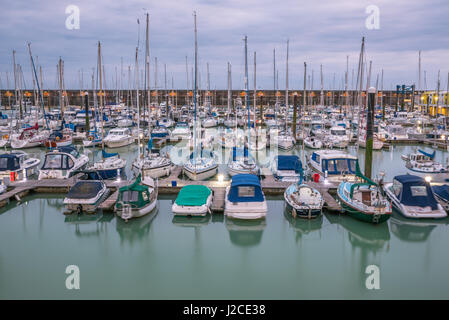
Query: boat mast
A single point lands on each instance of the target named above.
(286, 91)
(101, 94)
(147, 74)
(195, 88)
(246, 88)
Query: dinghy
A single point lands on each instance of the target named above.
(193, 200)
(136, 199)
(244, 199)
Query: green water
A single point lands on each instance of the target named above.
(159, 257)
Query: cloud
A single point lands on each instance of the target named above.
(320, 32)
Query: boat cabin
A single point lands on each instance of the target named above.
(414, 191)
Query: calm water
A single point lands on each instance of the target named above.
(158, 256)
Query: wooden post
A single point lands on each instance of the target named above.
(369, 133)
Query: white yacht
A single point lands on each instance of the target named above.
(118, 137)
(17, 165)
(182, 130)
(61, 163)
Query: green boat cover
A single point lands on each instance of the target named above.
(193, 195)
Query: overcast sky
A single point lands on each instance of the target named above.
(320, 32)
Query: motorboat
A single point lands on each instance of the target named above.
(87, 194)
(17, 165)
(338, 137)
(193, 200)
(313, 142)
(333, 165)
(422, 164)
(181, 130)
(118, 137)
(60, 163)
(244, 198)
(413, 197)
(209, 122)
(137, 199)
(441, 193)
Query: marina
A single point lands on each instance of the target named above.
(213, 169)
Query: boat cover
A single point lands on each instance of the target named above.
(406, 197)
(193, 195)
(430, 155)
(289, 163)
(85, 190)
(245, 180)
(9, 162)
(107, 154)
(442, 191)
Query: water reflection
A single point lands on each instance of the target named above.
(86, 225)
(304, 226)
(245, 233)
(193, 222)
(413, 230)
(135, 229)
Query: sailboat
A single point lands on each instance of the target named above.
(198, 167)
(136, 199)
(302, 200)
(286, 141)
(364, 200)
(239, 164)
(150, 163)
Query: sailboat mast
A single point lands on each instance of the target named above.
(101, 94)
(195, 89)
(137, 102)
(286, 90)
(246, 88)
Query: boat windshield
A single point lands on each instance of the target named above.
(130, 196)
(339, 166)
(57, 161)
(338, 132)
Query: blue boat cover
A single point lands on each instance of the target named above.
(430, 155)
(406, 197)
(245, 180)
(85, 190)
(442, 191)
(107, 154)
(9, 162)
(289, 163)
